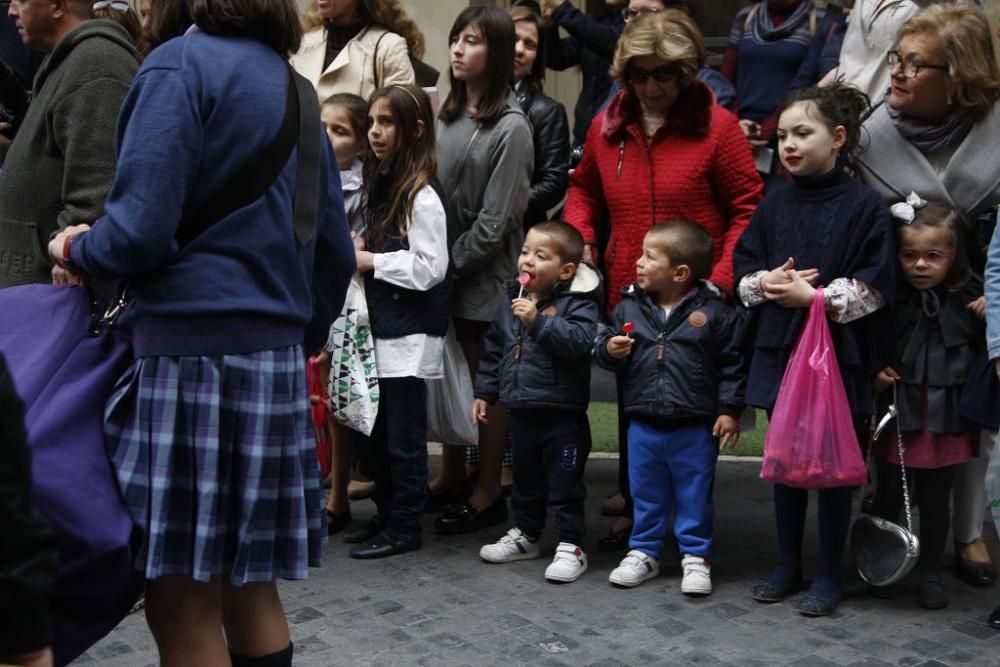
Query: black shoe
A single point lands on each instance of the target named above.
(813, 604)
(365, 531)
(974, 574)
(337, 522)
(769, 591)
(615, 540)
(383, 545)
(439, 500)
(464, 518)
(931, 594)
(994, 620)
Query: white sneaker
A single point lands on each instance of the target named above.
(697, 575)
(568, 563)
(515, 545)
(634, 569)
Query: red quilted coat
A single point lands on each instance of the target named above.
(698, 166)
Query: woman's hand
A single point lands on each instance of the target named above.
(549, 6)
(885, 379)
(58, 242)
(751, 131)
(978, 306)
(61, 276)
(590, 253)
(797, 293)
(479, 411)
(727, 428)
(365, 260)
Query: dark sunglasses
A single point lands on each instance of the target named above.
(664, 74)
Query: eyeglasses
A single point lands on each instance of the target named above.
(911, 68)
(931, 257)
(630, 14)
(664, 74)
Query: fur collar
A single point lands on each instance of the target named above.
(690, 114)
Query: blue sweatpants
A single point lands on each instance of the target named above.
(671, 472)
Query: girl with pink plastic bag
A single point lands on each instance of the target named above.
(822, 230)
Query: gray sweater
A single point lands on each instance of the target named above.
(59, 168)
(485, 171)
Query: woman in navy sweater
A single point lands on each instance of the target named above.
(209, 429)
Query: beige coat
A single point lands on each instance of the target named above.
(358, 68)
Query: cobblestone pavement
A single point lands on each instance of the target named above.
(443, 606)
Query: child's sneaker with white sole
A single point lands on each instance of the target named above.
(515, 545)
(697, 575)
(567, 565)
(634, 569)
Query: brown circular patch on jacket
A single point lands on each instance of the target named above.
(697, 319)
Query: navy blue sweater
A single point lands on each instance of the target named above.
(194, 115)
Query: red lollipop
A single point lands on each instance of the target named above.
(628, 328)
(525, 279)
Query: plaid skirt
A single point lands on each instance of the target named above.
(216, 460)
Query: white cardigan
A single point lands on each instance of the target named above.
(358, 68)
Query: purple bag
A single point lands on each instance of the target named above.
(64, 373)
(811, 442)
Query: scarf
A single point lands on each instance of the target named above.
(929, 138)
(763, 27)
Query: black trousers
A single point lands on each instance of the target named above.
(550, 450)
(930, 491)
(395, 455)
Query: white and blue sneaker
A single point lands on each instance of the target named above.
(515, 545)
(634, 569)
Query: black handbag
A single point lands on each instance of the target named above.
(885, 552)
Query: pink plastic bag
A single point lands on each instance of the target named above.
(811, 442)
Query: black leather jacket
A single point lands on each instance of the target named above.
(27, 543)
(550, 132)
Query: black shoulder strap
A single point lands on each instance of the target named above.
(299, 126)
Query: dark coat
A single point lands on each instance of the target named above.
(548, 365)
(28, 545)
(686, 367)
(591, 45)
(550, 132)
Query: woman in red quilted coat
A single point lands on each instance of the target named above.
(662, 150)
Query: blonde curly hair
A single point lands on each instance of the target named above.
(386, 13)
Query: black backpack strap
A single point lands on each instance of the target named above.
(300, 126)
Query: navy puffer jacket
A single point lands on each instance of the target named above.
(548, 364)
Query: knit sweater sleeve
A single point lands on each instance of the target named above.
(739, 189)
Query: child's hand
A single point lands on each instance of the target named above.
(727, 428)
(885, 379)
(782, 275)
(479, 411)
(620, 347)
(978, 306)
(524, 310)
(797, 293)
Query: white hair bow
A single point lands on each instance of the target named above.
(906, 211)
(120, 5)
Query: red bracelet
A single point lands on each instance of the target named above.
(65, 253)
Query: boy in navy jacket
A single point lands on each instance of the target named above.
(537, 361)
(674, 343)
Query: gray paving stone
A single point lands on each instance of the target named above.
(444, 607)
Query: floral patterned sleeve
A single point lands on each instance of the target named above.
(750, 291)
(847, 299)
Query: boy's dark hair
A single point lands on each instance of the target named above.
(497, 29)
(357, 112)
(686, 242)
(569, 242)
(838, 104)
(938, 215)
